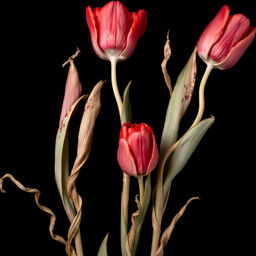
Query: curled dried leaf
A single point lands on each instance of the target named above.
(72, 57)
(167, 55)
(85, 135)
(167, 233)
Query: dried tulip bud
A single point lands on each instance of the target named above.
(73, 91)
(114, 30)
(225, 39)
(137, 151)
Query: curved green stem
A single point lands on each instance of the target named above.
(201, 94)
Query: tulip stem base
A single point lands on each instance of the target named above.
(141, 188)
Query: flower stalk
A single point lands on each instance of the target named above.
(115, 86)
(201, 99)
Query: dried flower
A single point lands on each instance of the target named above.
(73, 91)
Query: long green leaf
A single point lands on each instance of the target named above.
(103, 248)
(178, 103)
(62, 160)
(184, 150)
(126, 110)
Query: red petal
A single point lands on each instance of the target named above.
(237, 27)
(140, 144)
(154, 157)
(91, 21)
(124, 131)
(138, 28)
(114, 23)
(212, 32)
(237, 51)
(125, 158)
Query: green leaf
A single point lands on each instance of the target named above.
(178, 103)
(184, 150)
(103, 248)
(126, 110)
(62, 160)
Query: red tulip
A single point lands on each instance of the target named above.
(114, 30)
(225, 39)
(137, 151)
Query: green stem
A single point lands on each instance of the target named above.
(115, 87)
(141, 188)
(201, 95)
(126, 178)
(157, 209)
(145, 195)
(124, 212)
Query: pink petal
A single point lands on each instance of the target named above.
(91, 21)
(125, 158)
(114, 23)
(138, 28)
(73, 91)
(154, 156)
(237, 27)
(237, 51)
(212, 32)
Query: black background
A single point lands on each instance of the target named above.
(36, 38)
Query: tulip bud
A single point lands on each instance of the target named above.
(114, 30)
(225, 39)
(137, 151)
(73, 91)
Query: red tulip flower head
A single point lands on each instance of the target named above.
(225, 39)
(137, 151)
(114, 30)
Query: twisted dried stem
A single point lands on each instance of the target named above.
(37, 194)
(72, 57)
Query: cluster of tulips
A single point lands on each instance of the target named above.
(114, 34)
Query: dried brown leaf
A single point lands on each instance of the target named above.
(189, 83)
(167, 55)
(167, 233)
(85, 135)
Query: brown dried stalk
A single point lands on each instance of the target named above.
(40, 206)
(85, 135)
